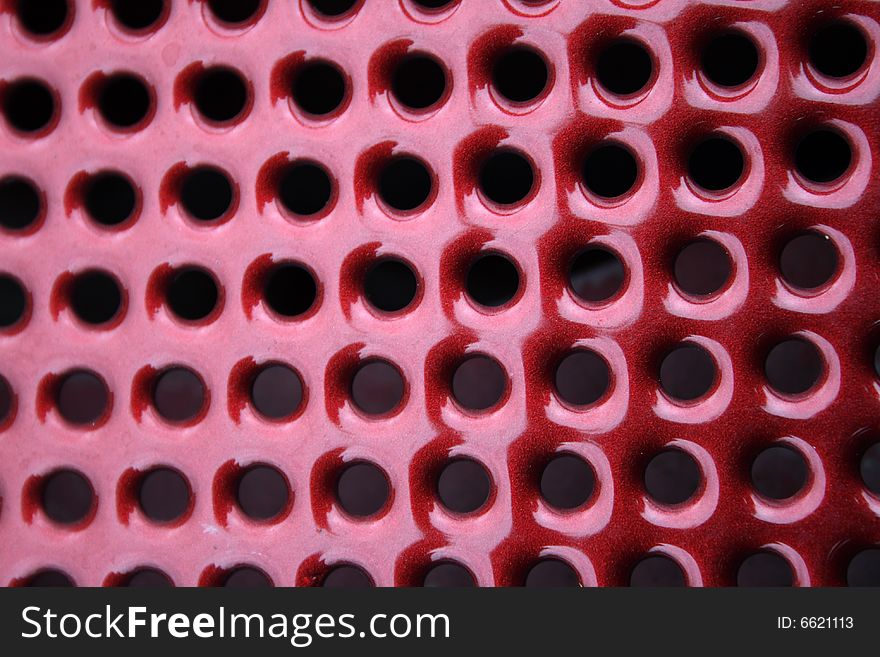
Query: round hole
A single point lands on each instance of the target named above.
(765, 569)
(794, 366)
(179, 395)
(82, 398)
(164, 495)
(688, 372)
(319, 88)
(582, 378)
(507, 177)
(479, 383)
(869, 468)
(520, 75)
(28, 105)
(110, 198)
(138, 16)
(405, 184)
(716, 164)
(657, 570)
(702, 268)
(377, 388)
(333, 8)
(779, 473)
(305, 189)
(492, 280)
(42, 18)
(49, 577)
(347, 576)
(567, 482)
(390, 285)
(247, 577)
(596, 275)
(448, 574)
(552, 573)
(95, 297)
(262, 493)
(67, 497)
(433, 4)
(362, 489)
(206, 193)
(464, 486)
(148, 578)
(610, 171)
(21, 203)
(418, 82)
(864, 569)
(624, 67)
(838, 49)
(192, 294)
(290, 290)
(672, 477)
(124, 100)
(13, 301)
(808, 261)
(277, 392)
(730, 59)
(235, 12)
(221, 95)
(7, 400)
(823, 156)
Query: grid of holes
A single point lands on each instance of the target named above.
(693, 377)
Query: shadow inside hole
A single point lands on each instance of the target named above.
(418, 82)
(28, 105)
(7, 400)
(49, 578)
(163, 495)
(390, 285)
(347, 576)
(124, 100)
(192, 294)
(624, 67)
(730, 59)
(869, 468)
(333, 8)
(179, 395)
(688, 372)
(20, 203)
(582, 378)
(95, 297)
(765, 569)
(247, 577)
(838, 49)
(506, 177)
(377, 388)
(319, 88)
(716, 164)
(110, 198)
(262, 493)
(362, 489)
(657, 571)
(864, 568)
(520, 75)
(67, 497)
(702, 268)
(823, 156)
(42, 18)
(794, 366)
(206, 193)
(610, 171)
(552, 573)
(448, 574)
(672, 477)
(276, 392)
(234, 12)
(567, 482)
(433, 4)
(13, 301)
(779, 472)
(464, 486)
(220, 94)
(137, 16)
(492, 280)
(405, 184)
(148, 578)
(82, 398)
(596, 275)
(305, 189)
(808, 261)
(290, 290)
(479, 383)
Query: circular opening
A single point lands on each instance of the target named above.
(582, 378)
(67, 497)
(262, 493)
(869, 468)
(49, 577)
(290, 290)
(716, 164)
(479, 383)
(520, 75)
(405, 184)
(779, 473)
(333, 8)
(702, 268)
(610, 171)
(124, 100)
(823, 156)
(838, 49)
(377, 388)
(110, 198)
(507, 177)
(42, 18)
(21, 203)
(418, 82)
(552, 573)
(235, 12)
(164, 495)
(192, 294)
(433, 4)
(450, 575)
(305, 189)
(390, 285)
(567, 482)
(28, 106)
(347, 576)
(765, 569)
(179, 395)
(596, 275)
(688, 373)
(95, 297)
(464, 486)
(492, 280)
(794, 366)
(672, 477)
(206, 193)
(277, 392)
(809, 261)
(148, 578)
(730, 59)
(220, 94)
(247, 577)
(657, 570)
(362, 489)
(13, 301)
(624, 67)
(7, 400)
(82, 398)
(138, 16)
(319, 88)
(864, 569)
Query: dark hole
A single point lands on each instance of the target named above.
(20, 203)
(347, 576)
(702, 268)
(506, 177)
(7, 398)
(672, 477)
(163, 495)
(716, 164)
(13, 301)
(124, 100)
(688, 372)
(67, 497)
(220, 94)
(657, 570)
(479, 383)
(779, 473)
(596, 275)
(492, 280)
(730, 60)
(794, 366)
(448, 574)
(277, 392)
(333, 8)
(50, 577)
(864, 569)
(95, 297)
(823, 156)
(28, 105)
(82, 398)
(418, 82)
(390, 285)
(305, 188)
(433, 4)
(838, 49)
(520, 75)
(377, 387)
(290, 290)
(234, 11)
(624, 67)
(405, 183)
(42, 17)
(464, 486)
(138, 14)
(247, 577)
(765, 569)
(582, 378)
(808, 261)
(179, 395)
(110, 198)
(206, 193)
(148, 578)
(552, 573)
(610, 171)
(319, 88)
(262, 492)
(567, 482)
(192, 294)
(869, 468)
(362, 489)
